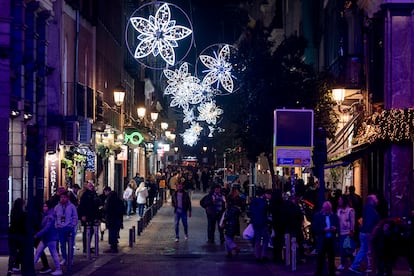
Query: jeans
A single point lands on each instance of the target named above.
(183, 217)
(63, 234)
(365, 239)
(140, 209)
(261, 240)
(213, 220)
(129, 207)
(52, 249)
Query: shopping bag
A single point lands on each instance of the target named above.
(248, 233)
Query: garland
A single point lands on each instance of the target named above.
(393, 126)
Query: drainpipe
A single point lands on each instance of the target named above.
(75, 69)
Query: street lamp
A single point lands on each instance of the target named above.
(164, 125)
(338, 95)
(154, 116)
(141, 112)
(119, 95)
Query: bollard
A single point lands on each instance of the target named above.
(133, 231)
(88, 241)
(139, 227)
(287, 249)
(70, 251)
(131, 237)
(294, 246)
(96, 228)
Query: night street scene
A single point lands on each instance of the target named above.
(207, 137)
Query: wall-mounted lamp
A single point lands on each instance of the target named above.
(338, 95)
(154, 116)
(175, 149)
(119, 95)
(164, 125)
(141, 112)
(204, 148)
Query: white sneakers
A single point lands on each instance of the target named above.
(340, 267)
(57, 272)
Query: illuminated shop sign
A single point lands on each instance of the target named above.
(134, 138)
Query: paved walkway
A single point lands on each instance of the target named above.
(156, 253)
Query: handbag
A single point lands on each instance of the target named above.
(248, 233)
(349, 245)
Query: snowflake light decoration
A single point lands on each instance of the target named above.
(209, 112)
(219, 69)
(189, 116)
(158, 35)
(191, 135)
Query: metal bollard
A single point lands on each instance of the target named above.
(96, 229)
(139, 227)
(131, 237)
(70, 251)
(133, 232)
(294, 246)
(287, 249)
(88, 241)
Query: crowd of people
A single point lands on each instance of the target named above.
(342, 227)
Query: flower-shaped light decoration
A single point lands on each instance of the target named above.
(219, 69)
(183, 88)
(190, 135)
(158, 35)
(209, 112)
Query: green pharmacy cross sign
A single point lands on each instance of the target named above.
(135, 138)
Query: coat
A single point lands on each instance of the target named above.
(141, 194)
(48, 231)
(318, 226)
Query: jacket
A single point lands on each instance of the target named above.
(66, 216)
(346, 220)
(186, 202)
(141, 194)
(48, 231)
(370, 219)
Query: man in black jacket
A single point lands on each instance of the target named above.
(182, 205)
(114, 211)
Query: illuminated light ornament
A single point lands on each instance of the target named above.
(191, 134)
(219, 69)
(209, 112)
(158, 35)
(211, 131)
(189, 116)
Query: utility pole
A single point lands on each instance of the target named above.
(319, 160)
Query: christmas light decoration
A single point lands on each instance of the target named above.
(209, 112)
(158, 35)
(219, 69)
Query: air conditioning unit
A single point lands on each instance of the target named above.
(85, 131)
(71, 132)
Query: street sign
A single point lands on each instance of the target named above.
(293, 137)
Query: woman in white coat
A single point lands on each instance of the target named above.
(141, 194)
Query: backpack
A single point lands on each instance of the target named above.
(206, 201)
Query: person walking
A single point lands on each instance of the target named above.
(48, 236)
(101, 216)
(128, 197)
(259, 213)
(141, 194)
(182, 205)
(114, 212)
(205, 178)
(370, 219)
(325, 225)
(88, 211)
(346, 215)
(38, 216)
(66, 223)
(17, 235)
(214, 204)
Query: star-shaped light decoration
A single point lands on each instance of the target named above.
(159, 35)
(219, 69)
(209, 112)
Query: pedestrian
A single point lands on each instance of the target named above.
(48, 237)
(235, 206)
(101, 216)
(278, 224)
(182, 205)
(128, 197)
(259, 218)
(17, 235)
(152, 190)
(56, 196)
(205, 178)
(141, 194)
(73, 194)
(88, 211)
(346, 215)
(38, 216)
(66, 223)
(162, 184)
(370, 219)
(214, 204)
(114, 212)
(325, 226)
(385, 245)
